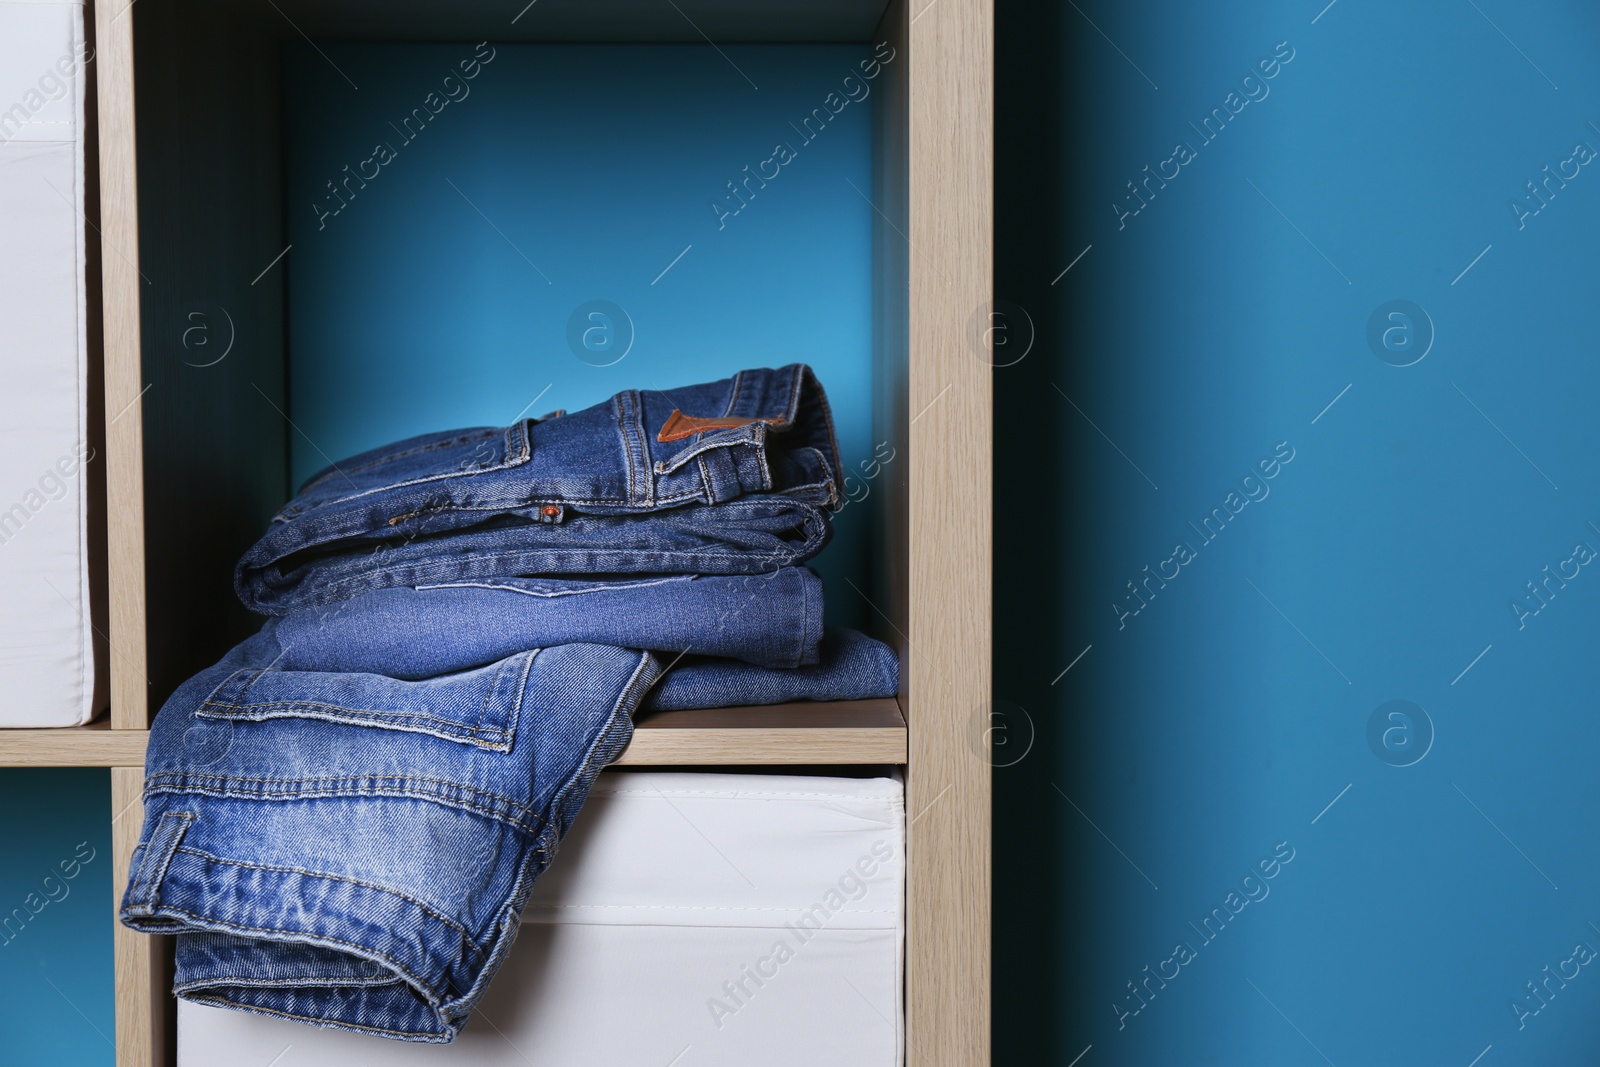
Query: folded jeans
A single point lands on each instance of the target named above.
(850, 666)
(729, 477)
(355, 850)
(770, 620)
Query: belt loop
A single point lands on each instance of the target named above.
(721, 477)
(164, 841)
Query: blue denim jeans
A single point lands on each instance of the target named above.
(849, 666)
(725, 640)
(770, 620)
(353, 849)
(729, 477)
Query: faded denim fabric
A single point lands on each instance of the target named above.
(354, 849)
(850, 666)
(730, 477)
(772, 620)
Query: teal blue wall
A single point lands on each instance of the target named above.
(439, 292)
(55, 918)
(1210, 320)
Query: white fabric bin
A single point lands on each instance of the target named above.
(690, 920)
(47, 643)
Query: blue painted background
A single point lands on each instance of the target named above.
(55, 933)
(439, 294)
(1229, 717)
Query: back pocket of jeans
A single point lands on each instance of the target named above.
(477, 707)
(416, 460)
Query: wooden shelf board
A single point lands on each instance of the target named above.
(837, 732)
(95, 745)
(840, 732)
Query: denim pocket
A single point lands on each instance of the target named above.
(477, 707)
(430, 457)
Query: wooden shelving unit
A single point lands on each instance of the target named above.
(932, 201)
(845, 732)
(95, 745)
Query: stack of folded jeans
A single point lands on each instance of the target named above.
(344, 817)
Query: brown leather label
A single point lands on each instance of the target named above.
(678, 425)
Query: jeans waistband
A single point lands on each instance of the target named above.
(644, 453)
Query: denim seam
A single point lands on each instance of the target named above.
(349, 717)
(705, 478)
(330, 789)
(365, 982)
(777, 557)
(508, 463)
(503, 586)
(313, 1019)
(805, 621)
(501, 736)
(301, 935)
(633, 680)
(549, 839)
(488, 694)
(626, 697)
(796, 376)
(153, 865)
(627, 405)
(488, 433)
(351, 794)
(515, 698)
(631, 553)
(622, 436)
(425, 908)
(648, 509)
(505, 433)
(538, 858)
(642, 455)
(651, 505)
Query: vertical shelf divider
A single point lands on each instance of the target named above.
(946, 225)
(119, 234)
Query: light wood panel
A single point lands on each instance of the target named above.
(96, 745)
(948, 229)
(144, 1007)
(839, 732)
(124, 463)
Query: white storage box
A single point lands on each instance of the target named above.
(690, 920)
(47, 643)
